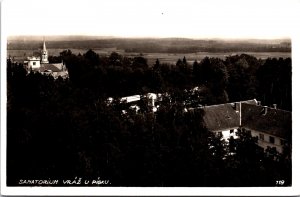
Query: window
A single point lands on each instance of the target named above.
(33, 63)
(281, 142)
(231, 130)
(272, 140)
(261, 136)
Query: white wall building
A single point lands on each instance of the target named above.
(33, 62)
(272, 126)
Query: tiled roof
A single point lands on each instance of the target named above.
(52, 67)
(221, 117)
(254, 117)
(272, 121)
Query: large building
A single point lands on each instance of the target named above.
(42, 65)
(272, 126)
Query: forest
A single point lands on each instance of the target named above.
(64, 128)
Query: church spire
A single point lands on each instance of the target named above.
(44, 54)
(44, 46)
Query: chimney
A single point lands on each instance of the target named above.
(234, 105)
(265, 110)
(275, 106)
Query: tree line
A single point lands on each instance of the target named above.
(236, 78)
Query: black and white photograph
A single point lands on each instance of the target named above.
(149, 97)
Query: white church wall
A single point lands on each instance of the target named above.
(33, 62)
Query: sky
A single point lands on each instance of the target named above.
(152, 18)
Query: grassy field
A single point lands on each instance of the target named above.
(171, 58)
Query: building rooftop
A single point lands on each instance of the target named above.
(248, 115)
(129, 99)
(221, 117)
(269, 120)
(33, 58)
(52, 67)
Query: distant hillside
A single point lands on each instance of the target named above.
(150, 45)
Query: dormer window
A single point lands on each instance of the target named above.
(264, 111)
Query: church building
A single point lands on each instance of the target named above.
(41, 64)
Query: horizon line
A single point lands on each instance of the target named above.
(158, 37)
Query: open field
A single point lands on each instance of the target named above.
(170, 58)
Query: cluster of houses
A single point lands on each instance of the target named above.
(272, 126)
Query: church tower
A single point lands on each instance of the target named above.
(44, 59)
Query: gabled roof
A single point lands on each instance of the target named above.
(268, 120)
(52, 67)
(221, 117)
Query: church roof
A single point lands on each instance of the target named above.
(52, 67)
